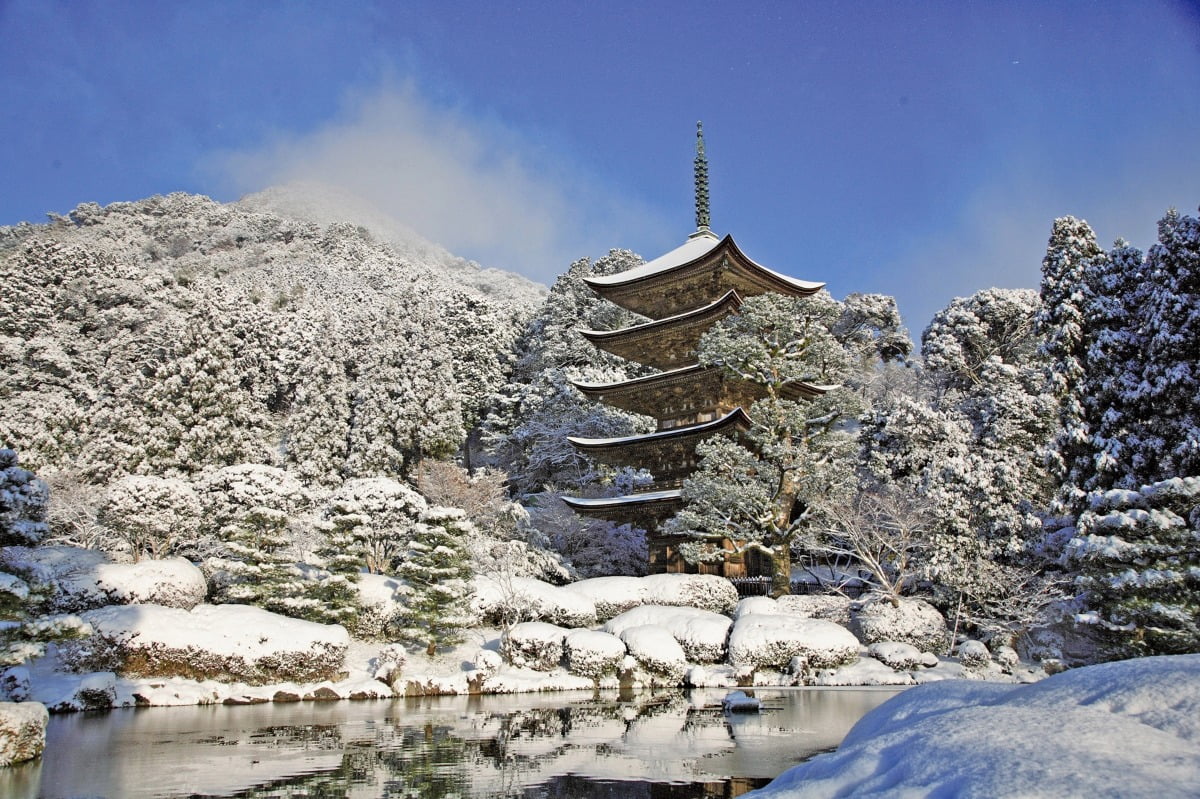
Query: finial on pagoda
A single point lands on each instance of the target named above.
(701, 173)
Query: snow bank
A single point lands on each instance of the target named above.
(82, 579)
(22, 731)
(593, 654)
(914, 622)
(611, 595)
(525, 598)
(657, 651)
(704, 591)
(701, 633)
(1127, 729)
(228, 642)
(761, 640)
(534, 645)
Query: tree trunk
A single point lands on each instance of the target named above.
(431, 650)
(781, 577)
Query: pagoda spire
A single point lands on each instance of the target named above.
(700, 166)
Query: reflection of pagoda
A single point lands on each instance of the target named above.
(684, 293)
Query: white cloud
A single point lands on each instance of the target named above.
(471, 184)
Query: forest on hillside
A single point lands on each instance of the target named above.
(289, 402)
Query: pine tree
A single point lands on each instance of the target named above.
(1140, 567)
(1063, 324)
(437, 571)
(373, 518)
(798, 455)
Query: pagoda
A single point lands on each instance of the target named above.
(683, 293)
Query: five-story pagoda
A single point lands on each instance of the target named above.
(683, 293)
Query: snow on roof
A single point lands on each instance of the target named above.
(674, 432)
(636, 380)
(609, 502)
(697, 246)
(667, 320)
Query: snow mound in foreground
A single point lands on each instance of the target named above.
(1128, 729)
(227, 642)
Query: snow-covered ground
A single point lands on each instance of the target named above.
(1125, 729)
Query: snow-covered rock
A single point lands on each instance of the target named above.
(591, 653)
(1127, 729)
(22, 731)
(901, 656)
(914, 621)
(761, 640)
(657, 651)
(610, 595)
(534, 645)
(817, 606)
(229, 642)
(704, 591)
(739, 702)
(701, 633)
(1005, 656)
(529, 599)
(82, 579)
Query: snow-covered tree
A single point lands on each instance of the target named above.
(375, 517)
(23, 500)
(151, 515)
(1063, 326)
(436, 568)
(532, 416)
(1140, 566)
(797, 455)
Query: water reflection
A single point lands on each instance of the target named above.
(545, 745)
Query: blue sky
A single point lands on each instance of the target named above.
(915, 149)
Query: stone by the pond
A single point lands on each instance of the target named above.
(739, 702)
(22, 731)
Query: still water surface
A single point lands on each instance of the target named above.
(658, 746)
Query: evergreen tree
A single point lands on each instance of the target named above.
(437, 571)
(1140, 566)
(373, 518)
(1063, 325)
(798, 456)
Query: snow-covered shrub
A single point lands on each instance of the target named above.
(657, 651)
(817, 606)
(593, 654)
(764, 641)
(226, 642)
(901, 657)
(151, 515)
(380, 602)
(974, 655)
(914, 622)
(701, 633)
(375, 517)
(487, 662)
(506, 599)
(1006, 657)
(22, 731)
(23, 501)
(611, 595)
(534, 645)
(756, 604)
(704, 591)
(389, 664)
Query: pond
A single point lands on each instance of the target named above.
(664, 745)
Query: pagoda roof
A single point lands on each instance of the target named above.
(735, 419)
(690, 265)
(664, 343)
(645, 394)
(648, 504)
